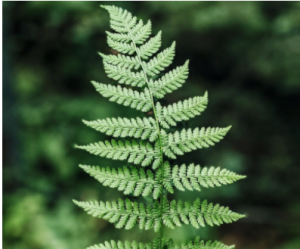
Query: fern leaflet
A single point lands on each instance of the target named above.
(168, 116)
(137, 153)
(123, 127)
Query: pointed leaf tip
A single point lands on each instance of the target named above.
(94, 83)
(75, 201)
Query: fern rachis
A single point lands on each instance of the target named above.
(136, 68)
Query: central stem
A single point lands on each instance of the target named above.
(159, 135)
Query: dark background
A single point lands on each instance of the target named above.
(245, 54)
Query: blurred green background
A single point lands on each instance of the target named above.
(245, 54)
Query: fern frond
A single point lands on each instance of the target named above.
(141, 68)
(124, 213)
(123, 127)
(129, 180)
(121, 47)
(179, 143)
(118, 37)
(138, 100)
(150, 47)
(170, 81)
(189, 108)
(138, 27)
(191, 177)
(120, 20)
(197, 214)
(141, 34)
(127, 213)
(161, 61)
(134, 152)
(122, 61)
(194, 244)
(122, 245)
(124, 75)
(200, 244)
(156, 244)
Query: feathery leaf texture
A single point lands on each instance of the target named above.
(168, 116)
(128, 97)
(135, 152)
(191, 177)
(200, 244)
(123, 127)
(122, 245)
(170, 81)
(127, 213)
(195, 244)
(197, 214)
(179, 143)
(137, 68)
(129, 180)
(124, 214)
(120, 46)
(124, 76)
(156, 244)
(161, 61)
(122, 61)
(150, 47)
(138, 182)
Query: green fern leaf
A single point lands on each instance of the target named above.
(156, 244)
(122, 245)
(141, 34)
(121, 20)
(121, 46)
(124, 75)
(136, 65)
(197, 214)
(192, 177)
(168, 116)
(122, 127)
(194, 244)
(122, 61)
(118, 37)
(200, 244)
(179, 143)
(161, 61)
(150, 47)
(170, 81)
(129, 180)
(134, 152)
(167, 177)
(124, 214)
(138, 100)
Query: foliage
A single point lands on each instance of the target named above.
(245, 54)
(133, 38)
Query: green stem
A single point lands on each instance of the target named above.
(158, 131)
